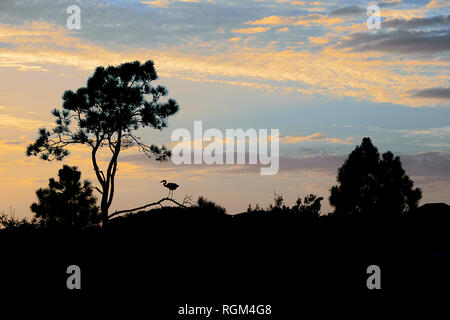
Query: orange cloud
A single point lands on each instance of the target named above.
(20, 123)
(331, 72)
(273, 21)
(251, 30)
(313, 18)
(157, 3)
(318, 40)
(285, 29)
(313, 137)
(437, 4)
(304, 3)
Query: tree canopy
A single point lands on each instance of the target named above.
(372, 185)
(67, 202)
(117, 101)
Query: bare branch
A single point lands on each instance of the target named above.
(188, 200)
(98, 190)
(146, 206)
(103, 175)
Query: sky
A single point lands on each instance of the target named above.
(312, 69)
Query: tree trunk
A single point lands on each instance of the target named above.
(107, 182)
(104, 207)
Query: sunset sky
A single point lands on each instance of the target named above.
(311, 69)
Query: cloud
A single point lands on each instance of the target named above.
(433, 4)
(304, 72)
(434, 165)
(157, 3)
(348, 11)
(422, 138)
(332, 72)
(430, 164)
(165, 3)
(273, 21)
(13, 122)
(285, 29)
(326, 163)
(235, 39)
(318, 40)
(305, 3)
(313, 137)
(429, 170)
(392, 3)
(433, 93)
(418, 22)
(308, 20)
(251, 30)
(404, 42)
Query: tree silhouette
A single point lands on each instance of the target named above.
(116, 102)
(209, 206)
(66, 202)
(370, 185)
(310, 207)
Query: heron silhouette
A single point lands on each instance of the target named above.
(171, 186)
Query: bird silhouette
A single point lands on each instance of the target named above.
(171, 186)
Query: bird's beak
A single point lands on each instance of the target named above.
(161, 181)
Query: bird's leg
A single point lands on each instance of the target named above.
(168, 195)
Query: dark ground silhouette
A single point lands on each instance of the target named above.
(285, 256)
(178, 255)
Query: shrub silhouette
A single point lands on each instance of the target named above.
(209, 206)
(278, 204)
(116, 102)
(310, 208)
(369, 184)
(10, 222)
(67, 202)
